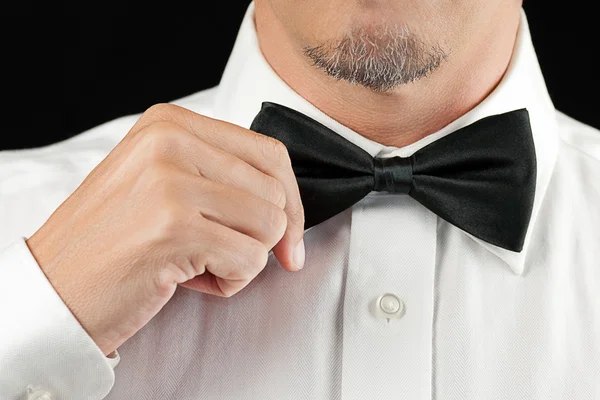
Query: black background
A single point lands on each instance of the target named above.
(71, 66)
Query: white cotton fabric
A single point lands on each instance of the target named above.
(480, 322)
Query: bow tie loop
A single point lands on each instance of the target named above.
(393, 175)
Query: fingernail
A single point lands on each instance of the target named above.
(299, 254)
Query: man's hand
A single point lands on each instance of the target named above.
(182, 199)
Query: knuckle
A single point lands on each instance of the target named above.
(160, 187)
(164, 281)
(233, 256)
(256, 256)
(158, 141)
(274, 191)
(158, 110)
(168, 220)
(228, 288)
(296, 216)
(198, 264)
(275, 151)
(235, 167)
(275, 223)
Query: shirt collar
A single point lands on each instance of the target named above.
(248, 81)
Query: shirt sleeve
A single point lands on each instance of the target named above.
(42, 345)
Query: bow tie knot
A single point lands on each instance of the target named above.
(393, 175)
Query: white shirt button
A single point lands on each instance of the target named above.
(38, 394)
(390, 306)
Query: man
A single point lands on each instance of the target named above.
(453, 224)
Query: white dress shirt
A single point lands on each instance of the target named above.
(393, 302)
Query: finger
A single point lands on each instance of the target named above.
(166, 140)
(227, 169)
(239, 210)
(264, 153)
(228, 259)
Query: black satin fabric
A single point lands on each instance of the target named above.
(480, 178)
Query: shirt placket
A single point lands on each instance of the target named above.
(389, 300)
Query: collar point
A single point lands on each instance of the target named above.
(518, 268)
(515, 261)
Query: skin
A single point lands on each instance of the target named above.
(188, 200)
(184, 200)
(477, 36)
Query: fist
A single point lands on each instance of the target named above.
(184, 200)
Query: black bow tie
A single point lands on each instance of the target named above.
(480, 178)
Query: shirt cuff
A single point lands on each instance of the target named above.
(113, 359)
(42, 345)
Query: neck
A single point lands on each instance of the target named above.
(411, 111)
